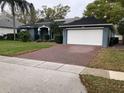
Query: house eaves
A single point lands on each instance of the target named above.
(66, 26)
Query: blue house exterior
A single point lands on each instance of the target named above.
(38, 30)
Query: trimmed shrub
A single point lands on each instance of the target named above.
(10, 36)
(24, 36)
(58, 39)
(114, 41)
(1, 37)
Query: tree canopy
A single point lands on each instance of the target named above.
(29, 18)
(113, 1)
(121, 27)
(111, 11)
(55, 29)
(16, 5)
(57, 12)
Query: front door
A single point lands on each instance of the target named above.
(43, 32)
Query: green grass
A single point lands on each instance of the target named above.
(111, 59)
(12, 48)
(101, 85)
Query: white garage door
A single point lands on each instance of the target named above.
(85, 37)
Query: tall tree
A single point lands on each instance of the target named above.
(57, 12)
(55, 29)
(15, 5)
(29, 18)
(34, 16)
(111, 12)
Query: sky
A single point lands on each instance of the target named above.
(77, 6)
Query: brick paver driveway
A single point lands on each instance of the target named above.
(68, 54)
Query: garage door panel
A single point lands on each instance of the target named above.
(85, 37)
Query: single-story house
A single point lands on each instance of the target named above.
(88, 31)
(6, 25)
(41, 28)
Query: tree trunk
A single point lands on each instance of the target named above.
(14, 27)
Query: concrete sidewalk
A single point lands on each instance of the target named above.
(43, 64)
(29, 76)
(64, 67)
(104, 73)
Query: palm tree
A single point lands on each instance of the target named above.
(15, 5)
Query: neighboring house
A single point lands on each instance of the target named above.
(6, 25)
(40, 29)
(88, 31)
(120, 37)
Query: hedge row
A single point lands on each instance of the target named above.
(25, 36)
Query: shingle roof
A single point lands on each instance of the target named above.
(86, 20)
(35, 25)
(47, 23)
(67, 20)
(7, 22)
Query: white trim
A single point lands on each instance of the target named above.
(87, 25)
(85, 28)
(43, 27)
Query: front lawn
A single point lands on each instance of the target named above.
(12, 48)
(111, 59)
(101, 85)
